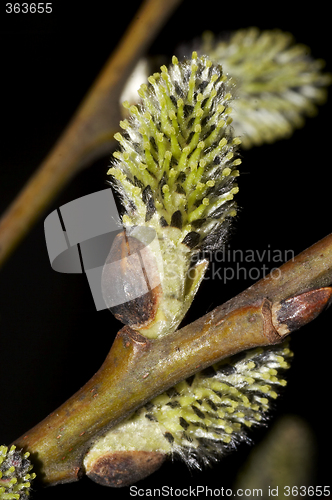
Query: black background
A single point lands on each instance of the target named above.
(51, 338)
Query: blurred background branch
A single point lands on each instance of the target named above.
(89, 135)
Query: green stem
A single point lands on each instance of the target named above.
(136, 369)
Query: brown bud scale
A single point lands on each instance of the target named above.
(123, 468)
(130, 278)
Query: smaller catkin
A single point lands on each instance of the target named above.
(206, 415)
(15, 474)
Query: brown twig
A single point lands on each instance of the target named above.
(89, 135)
(137, 369)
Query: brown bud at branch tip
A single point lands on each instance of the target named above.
(295, 312)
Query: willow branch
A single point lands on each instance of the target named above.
(137, 369)
(89, 135)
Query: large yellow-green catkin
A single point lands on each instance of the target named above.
(178, 163)
(206, 415)
(15, 474)
(277, 82)
(175, 173)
